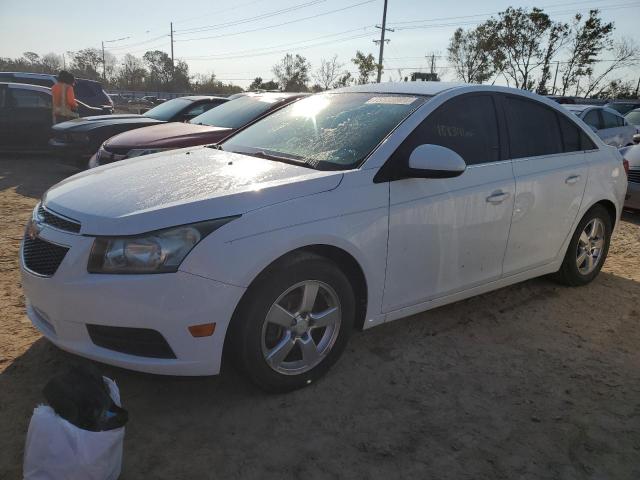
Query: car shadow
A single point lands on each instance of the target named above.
(535, 378)
(31, 175)
(631, 216)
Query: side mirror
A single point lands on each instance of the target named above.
(434, 161)
(636, 139)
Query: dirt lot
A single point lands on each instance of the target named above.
(534, 381)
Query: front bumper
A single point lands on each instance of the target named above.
(632, 198)
(62, 305)
(69, 148)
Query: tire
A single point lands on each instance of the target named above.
(260, 345)
(573, 274)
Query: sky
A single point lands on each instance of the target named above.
(243, 39)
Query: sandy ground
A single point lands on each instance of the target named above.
(534, 381)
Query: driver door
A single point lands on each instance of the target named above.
(448, 235)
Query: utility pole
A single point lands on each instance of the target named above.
(555, 77)
(383, 29)
(637, 87)
(104, 65)
(172, 63)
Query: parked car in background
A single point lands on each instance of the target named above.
(211, 127)
(87, 91)
(631, 157)
(562, 100)
(26, 117)
(623, 106)
(151, 100)
(633, 117)
(350, 208)
(608, 124)
(83, 136)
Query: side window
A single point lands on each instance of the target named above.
(532, 128)
(467, 125)
(609, 120)
(593, 119)
(199, 109)
(574, 138)
(30, 99)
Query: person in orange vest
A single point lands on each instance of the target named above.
(63, 98)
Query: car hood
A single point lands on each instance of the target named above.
(168, 135)
(86, 124)
(179, 187)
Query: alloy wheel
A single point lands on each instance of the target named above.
(301, 327)
(590, 246)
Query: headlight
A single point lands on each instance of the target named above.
(161, 251)
(138, 152)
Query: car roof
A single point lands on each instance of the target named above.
(197, 98)
(27, 86)
(408, 88)
(582, 108)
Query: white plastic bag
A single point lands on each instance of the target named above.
(57, 449)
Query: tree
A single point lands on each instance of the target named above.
(292, 73)
(86, 63)
(367, 66)
(617, 89)
(160, 69)
(588, 39)
(32, 57)
(209, 84)
(625, 54)
(469, 54)
(343, 80)
(328, 72)
(258, 84)
(516, 41)
(51, 62)
(558, 35)
(131, 73)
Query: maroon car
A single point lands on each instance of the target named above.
(210, 127)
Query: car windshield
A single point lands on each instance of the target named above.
(633, 117)
(326, 131)
(237, 113)
(167, 110)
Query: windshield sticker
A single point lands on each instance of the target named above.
(395, 100)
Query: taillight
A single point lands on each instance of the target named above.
(625, 164)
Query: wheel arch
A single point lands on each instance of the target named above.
(344, 260)
(610, 207)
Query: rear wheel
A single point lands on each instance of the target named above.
(588, 248)
(294, 323)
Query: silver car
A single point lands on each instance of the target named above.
(608, 124)
(632, 156)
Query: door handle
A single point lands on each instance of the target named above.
(573, 179)
(497, 198)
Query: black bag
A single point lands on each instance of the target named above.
(81, 397)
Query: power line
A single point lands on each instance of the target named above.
(278, 24)
(249, 19)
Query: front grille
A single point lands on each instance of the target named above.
(634, 176)
(42, 257)
(56, 221)
(142, 342)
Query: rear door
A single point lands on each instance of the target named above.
(447, 235)
(551, 173)
(31, 114)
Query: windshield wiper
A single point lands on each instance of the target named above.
(293, 160)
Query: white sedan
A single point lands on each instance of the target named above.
(608, 124)
(343, 210)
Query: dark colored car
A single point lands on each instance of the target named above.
(208, 128)
(25, 116)
(562, 100)
(82, 137)
(88, 92)
(623, 106)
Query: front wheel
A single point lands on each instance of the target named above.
(294, 323)
(588, 248)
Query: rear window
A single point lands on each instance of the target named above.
(168, 110)
(87, 89)
(610, 120)
(532, 129)
(237, 113)
(593, 119)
